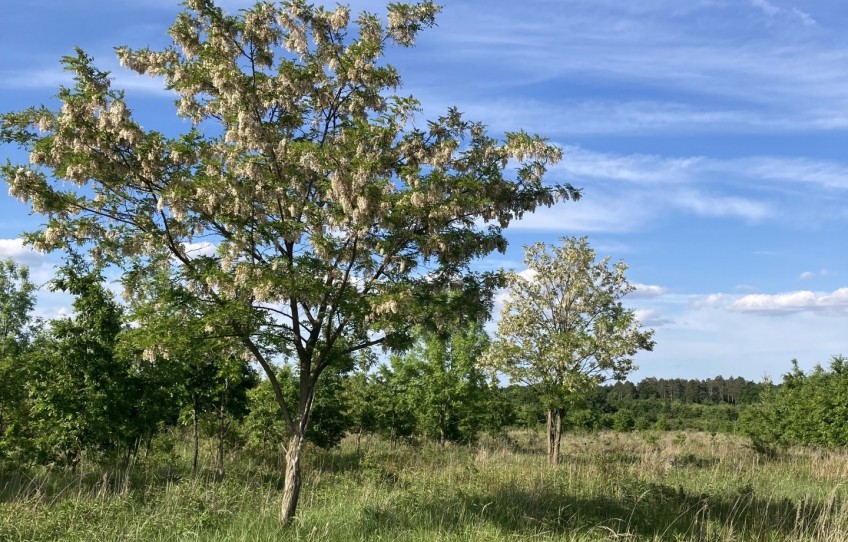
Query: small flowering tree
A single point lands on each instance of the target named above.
(304, 209)
(564, 330)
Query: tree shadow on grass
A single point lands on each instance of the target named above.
(644, 510)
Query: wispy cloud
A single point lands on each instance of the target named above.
(653, 169)
(767, 7)
(788, 77)
(809, 275)
(628, 192)
(772, 10)
(599, 212)
(704, 204)
(53, 78)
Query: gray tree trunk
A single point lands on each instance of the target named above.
(554, 426)
(291, 485)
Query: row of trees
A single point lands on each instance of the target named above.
(78, 385)
(84, 385)
(718, 390)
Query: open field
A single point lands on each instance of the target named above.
(610, 486)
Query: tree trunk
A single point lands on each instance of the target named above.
(442, 431)
(221, 431)
(196, 438)
(291, 485)
(554, 426)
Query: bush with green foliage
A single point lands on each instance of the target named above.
(807, 409)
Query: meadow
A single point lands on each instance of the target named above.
(644, 486)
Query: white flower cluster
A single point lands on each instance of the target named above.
(154, 353)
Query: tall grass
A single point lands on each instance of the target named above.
(634, 487)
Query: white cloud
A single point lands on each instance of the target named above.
(626, 192)
(16, 250)
(835, 302)
(808, 275)
(652, 318)
(528, 274)
(698, 342)
(200, 249)
(647, 290)
(652, 169)
(804, 17)
(709, 301)
(52, 78)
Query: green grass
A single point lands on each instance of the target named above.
(609, 487)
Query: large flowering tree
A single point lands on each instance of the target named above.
(305, 211)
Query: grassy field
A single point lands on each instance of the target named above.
(634, 487)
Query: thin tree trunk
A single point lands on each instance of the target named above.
(221, 430)
(442, 432)
(554, 427)
(291, 485)
(196, 438)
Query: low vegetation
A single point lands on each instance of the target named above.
(609, 486)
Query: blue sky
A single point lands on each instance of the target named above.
(710, 138)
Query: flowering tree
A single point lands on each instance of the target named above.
(304, 210)
(564, 329)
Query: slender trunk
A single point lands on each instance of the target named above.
(442, 432)
(221, 431)
(554, 426)
(291, 485)
(358, 439)
(196, 437)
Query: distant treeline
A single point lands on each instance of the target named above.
(718, 390)
(714, 404)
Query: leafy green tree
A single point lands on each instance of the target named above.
(564, 329)
(233, 380)
(337, 224)
(395, 414)
(79, 386)
(358, 395)
(204, 370)
(17, 299)
(445, 386)
(807, 409)
(330, 419)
